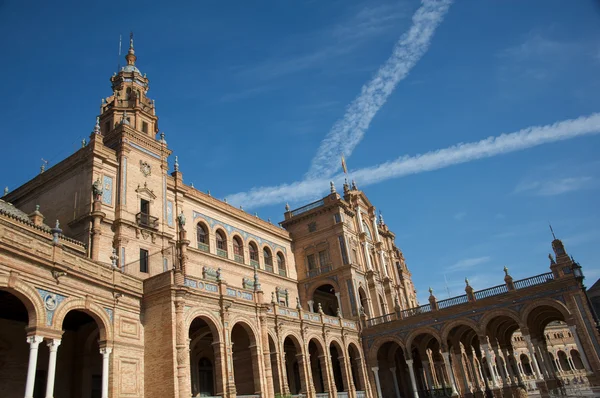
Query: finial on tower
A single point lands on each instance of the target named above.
(332, 186)
(176, 165)
(130, 57)
(287, 207)
(381, 222)
(5, 191)
(97, 125)
(354, 188)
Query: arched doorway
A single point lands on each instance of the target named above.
(337, 363)
(79, 362)
(364, 302)
(293, 366)
(274, 368)
(325, 295)
(317, 366)
(563, 361)
(576, 358)
(526, 365)
(393, 371)
(14, 350)
(245, 354)
(356, 367)
(205, 357)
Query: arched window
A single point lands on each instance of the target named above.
(253, 254)
(268, 259)
(367, 230)
(202, 237)
(221, 244)
(238, 249)
(281, 264)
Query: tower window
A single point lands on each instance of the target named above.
(106, 127)
(143, 260)
(145, 127)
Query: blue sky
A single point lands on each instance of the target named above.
(247, 91)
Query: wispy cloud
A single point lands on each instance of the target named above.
(460, 215)
(434, 160)
(328, 44)
(554, 187)
(349, 131)
(468, 263)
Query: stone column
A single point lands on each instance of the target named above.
(325, 371)
(311, 305)
(427, 368)
(502, 373)
(582, 354)
(105, 358)
(219, 353)
(183, 351)
(366, 251)
(339, 301)
(346, 373)
(542, 361)
(508, 360)
(413, 381)
(396, 388)
(461, 363)
(375, 370)
(34, 343)
(305, 380)
(53, 346)
(488, 360)
(474, 372)
(266, 355)
(533, 360)
(446, 357)
(362, 375)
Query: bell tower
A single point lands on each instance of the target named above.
(129, 103)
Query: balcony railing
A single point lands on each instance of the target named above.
(222, 253)
(308, 207)
(382, 319)
(268, 268)
(452, 301)
(146, 220)
(239, 258)
(534, 280)
(319, 271)
(492, 291)
(254, 263)
(203, 247)
(282, 272)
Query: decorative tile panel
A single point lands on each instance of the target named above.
(109, 311)
(169, 213)
(51, 303)
(107, 190)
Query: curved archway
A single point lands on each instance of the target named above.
(394, 373)
(356, 367)
(577, 361)
(245, 359)
(268, 259)
(28, 296)
(90, 308)
(563, 361)
(317, 366)
(295, 377)
(526, 365)
(78, 360)
(336, 354)
(205, 357)
(253, 252)
(325, 296)
(364, 301)
(281, 268)
(221, 241)
(238, 249)
(14, 319)
(202, 236)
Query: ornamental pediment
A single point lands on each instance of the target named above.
(144, 190)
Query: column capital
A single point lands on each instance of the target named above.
(375, 369)
(393, 369)
(34, 340)
(53, 344)
(409, 362)
(105, 351)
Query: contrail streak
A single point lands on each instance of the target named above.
(433, 160)
(347, 132)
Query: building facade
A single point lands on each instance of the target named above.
(117, 279)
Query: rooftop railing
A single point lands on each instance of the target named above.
(463, 299)
(308, 207)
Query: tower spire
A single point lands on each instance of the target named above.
(130, 57)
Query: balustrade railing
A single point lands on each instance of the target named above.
(534, 280)
(492, 291)
(452, 301)
(382, 319)
(308, 207)
(146, 220)
(319, 271)
(415, 311)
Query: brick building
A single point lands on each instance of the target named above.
(117, 279)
